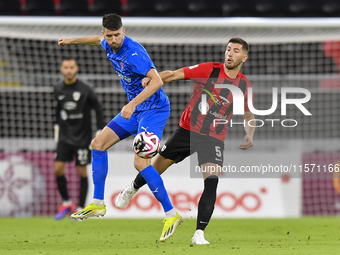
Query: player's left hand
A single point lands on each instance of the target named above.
(247, 143)
(145, 82)
(127, 111)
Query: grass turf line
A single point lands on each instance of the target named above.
(308, 235)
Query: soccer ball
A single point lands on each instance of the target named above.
(146, 144)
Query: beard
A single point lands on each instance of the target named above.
(234, 66)
(70, 77)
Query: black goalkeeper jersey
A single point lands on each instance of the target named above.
(73, 112)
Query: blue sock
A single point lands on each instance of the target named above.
(99, 172)
(156, 186)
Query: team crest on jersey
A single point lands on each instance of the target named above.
(76, 95)
(122, 65)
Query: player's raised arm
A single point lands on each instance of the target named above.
(154, 85)
(250, 130)
(93, 40)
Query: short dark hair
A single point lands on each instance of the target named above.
(112, 21)
(68, 58)
(238, 40)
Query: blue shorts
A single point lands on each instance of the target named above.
(151, 120)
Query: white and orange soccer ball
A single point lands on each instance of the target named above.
(146, 144)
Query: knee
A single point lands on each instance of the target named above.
(97, 145)
(58, 170)
(141, 164)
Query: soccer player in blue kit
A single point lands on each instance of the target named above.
(148, 108)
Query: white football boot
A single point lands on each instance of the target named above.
(198, 237)
(125, 196)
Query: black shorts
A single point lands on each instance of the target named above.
(66, 153)
(183, 143)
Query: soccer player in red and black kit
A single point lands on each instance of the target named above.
(197, 129)
(73, 132)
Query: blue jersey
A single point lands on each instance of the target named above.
(132, 63)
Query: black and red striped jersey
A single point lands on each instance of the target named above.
(220, 107)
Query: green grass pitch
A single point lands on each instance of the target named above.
(314, 235)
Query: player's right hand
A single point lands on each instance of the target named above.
(246, 143)
(64, 41)
(145, 82)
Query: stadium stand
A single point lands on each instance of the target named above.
(169, 8)
(306, 8)
(142, 8)
(40, 8)
(101, 7)
(268, 8)
(331, 8)
(246, 8)
(74, 8)
(12, 7)
(203, 8)
(176, 8)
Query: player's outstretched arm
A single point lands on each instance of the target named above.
(248, 138)
(167, 76)
(154, 85)
(93, 40)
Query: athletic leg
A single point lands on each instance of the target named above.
(64, 153)
(82, 172)
(207, 201)
(116, 130)
(154, 182)
(59, 167)
(176, 149)
(209, 151)
(99, 145)
(160, 164)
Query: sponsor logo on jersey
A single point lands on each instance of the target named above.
(133, 54)
(76, 95)
(218, 115)
(75, 116)
(70, 105)
(225, 102)
(121, 65)
(123, 77)
(163, 148)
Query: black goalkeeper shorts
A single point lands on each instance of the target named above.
(183, 143)
(66, 153)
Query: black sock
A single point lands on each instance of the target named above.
(207, 201)
(83, 191)
(62, 187)
(139, 181)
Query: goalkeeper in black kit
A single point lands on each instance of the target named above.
(72, 132)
